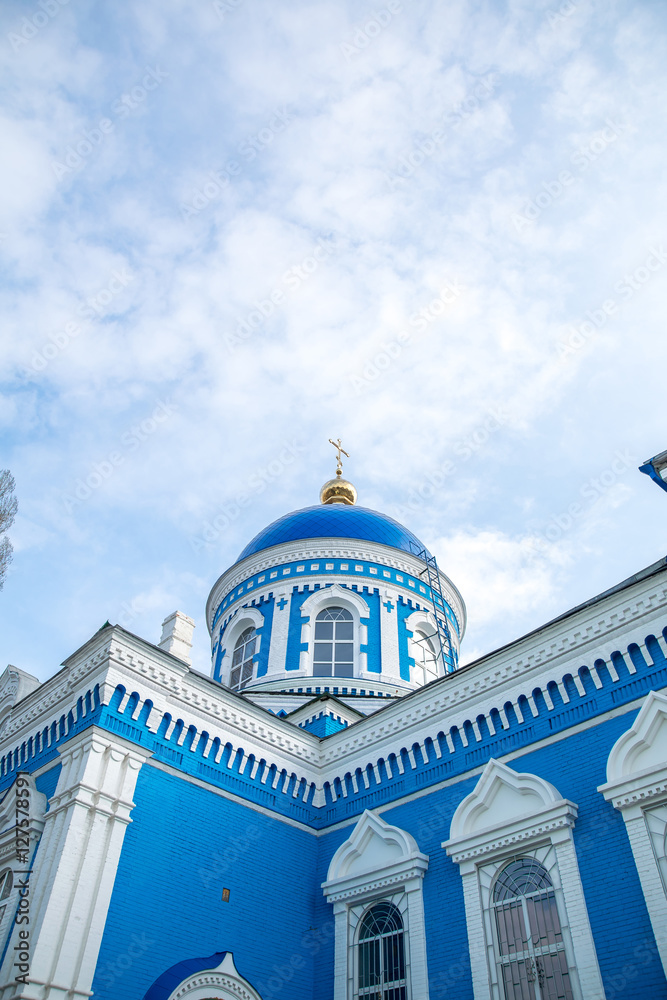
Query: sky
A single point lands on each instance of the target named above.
(231, 230)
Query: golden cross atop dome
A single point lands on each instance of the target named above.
(338, 490)
(340, 450)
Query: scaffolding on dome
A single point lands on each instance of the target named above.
(447, 650)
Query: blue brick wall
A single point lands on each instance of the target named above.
(621, 928)
(184, 846)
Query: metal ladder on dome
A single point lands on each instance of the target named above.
(449, 659)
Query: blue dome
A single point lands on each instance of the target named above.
(335, 521)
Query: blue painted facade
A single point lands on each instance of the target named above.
(212, 813)
(168, 891)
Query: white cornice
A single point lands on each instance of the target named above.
(328, 548)
(504, 676)
(115, 657)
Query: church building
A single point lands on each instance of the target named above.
(340, 811)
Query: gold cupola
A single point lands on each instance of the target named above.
(338, 490)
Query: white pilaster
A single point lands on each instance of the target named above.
(279, 632)
(389, 635)
(75, 866)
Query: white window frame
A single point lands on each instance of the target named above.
(377, 862)
(424, 621)
(354, 917)
(243, 620)
(335, 640)
(637, 786)
(510, 815)
(334, 597)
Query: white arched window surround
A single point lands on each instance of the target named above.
(244, 618)
(424, 622)
(331, 597)
(222, 983)
(637, 786)
(377, 862)
(506, 816)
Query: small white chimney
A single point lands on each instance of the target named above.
(176, 637)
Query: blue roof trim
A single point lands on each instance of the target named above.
(335, 521)
(165, 985)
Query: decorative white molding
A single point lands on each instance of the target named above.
(376, 862)
(76, 864)
(334, 595)
(637, 786)
(221, 983)
(503, 796)
(509, 813)
(644, 746)
(15, 684)
(324, 705)
(113, 657)
(243, 620)
(332, 548)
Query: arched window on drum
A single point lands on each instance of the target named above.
(242, 661)
(423, 651)
(333, 654)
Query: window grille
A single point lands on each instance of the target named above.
(532, 963)
(242, 660)
(334, 643)
(423, 652)
(381, 969)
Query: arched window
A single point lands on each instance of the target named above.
(242, 664)
(381, 969)
(532, 964)
(423, 651)
(334, 643)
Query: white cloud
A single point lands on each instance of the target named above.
(353, 119)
